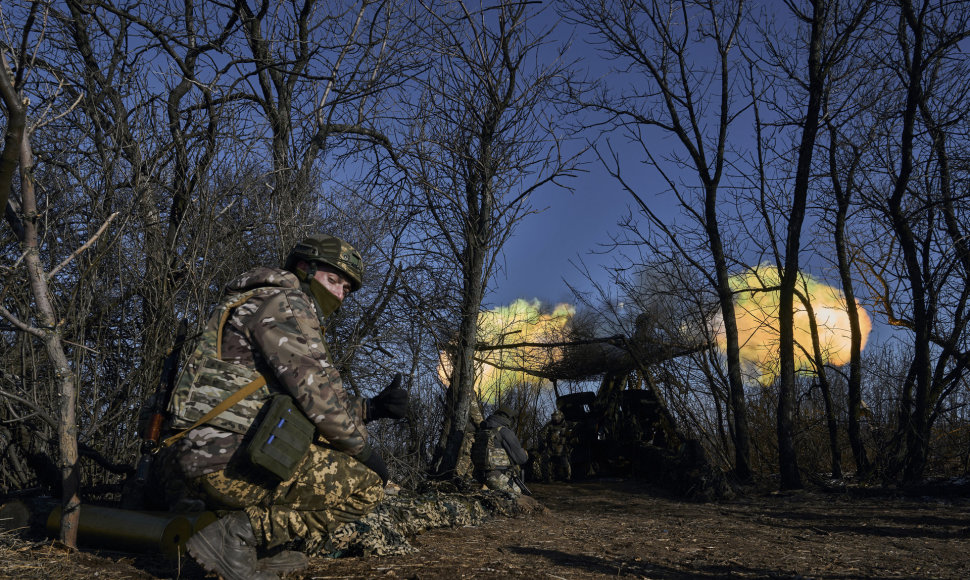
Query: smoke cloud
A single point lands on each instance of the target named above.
(756, 306)
(523, 321)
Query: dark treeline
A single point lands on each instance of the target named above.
(154, 150)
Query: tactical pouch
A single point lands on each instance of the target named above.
(282, 439)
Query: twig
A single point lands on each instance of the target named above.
(32, 406)
(85, 347)
(17, 263)
(86, 245)
(43, 121)
(20, 324)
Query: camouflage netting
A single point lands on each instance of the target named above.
(386, 531)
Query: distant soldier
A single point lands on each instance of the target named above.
(554, 449)
(497, 454)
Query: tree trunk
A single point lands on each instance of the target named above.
(63, 375)
(826, 388)
(916, 424)
(736, 403)
(843, 197)
(462, 389)
(788, 462)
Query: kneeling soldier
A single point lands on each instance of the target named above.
(497, 454)
(266, 339)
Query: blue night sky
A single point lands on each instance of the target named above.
(540, 256)
(576, 226)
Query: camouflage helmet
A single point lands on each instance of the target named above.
(332, 251)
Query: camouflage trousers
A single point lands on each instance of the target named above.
(499, 481)
(328, 488)
(555, 467)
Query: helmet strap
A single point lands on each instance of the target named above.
(311, 270)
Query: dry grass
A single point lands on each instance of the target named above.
(24, 559)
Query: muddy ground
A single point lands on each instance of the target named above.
(609, 529)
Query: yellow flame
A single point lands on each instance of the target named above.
(756, 312)
(520, 322)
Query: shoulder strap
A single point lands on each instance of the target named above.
(232, 399)
(226, 311)
(229, 401)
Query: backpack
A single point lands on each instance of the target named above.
(487, 451)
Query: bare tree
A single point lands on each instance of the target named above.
(689, 96)
(323, 76)
(922, 284)
(486, 137)
(46, 325)
(844, 160)
(831, 32)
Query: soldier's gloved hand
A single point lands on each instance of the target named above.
(376, 464)
(392, 402)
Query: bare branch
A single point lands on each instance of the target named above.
(37, 410)
(20, 324)
(86, 245)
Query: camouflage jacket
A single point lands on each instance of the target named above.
(277, 333)
(554, 438)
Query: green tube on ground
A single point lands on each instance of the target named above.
(129, 530)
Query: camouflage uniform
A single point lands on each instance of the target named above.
(498, 464)
(554, 457)
(387, 529)
(277, 332)
(328, 489)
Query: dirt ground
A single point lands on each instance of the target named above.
(608, 529)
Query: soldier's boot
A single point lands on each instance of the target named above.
(227, 547)
(284, 563)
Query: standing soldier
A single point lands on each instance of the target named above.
(554, 439)
(269, 331)
(497, 454)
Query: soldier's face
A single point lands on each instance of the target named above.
(334, 281)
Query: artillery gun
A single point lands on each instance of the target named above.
(610, 428)
(624, 428)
